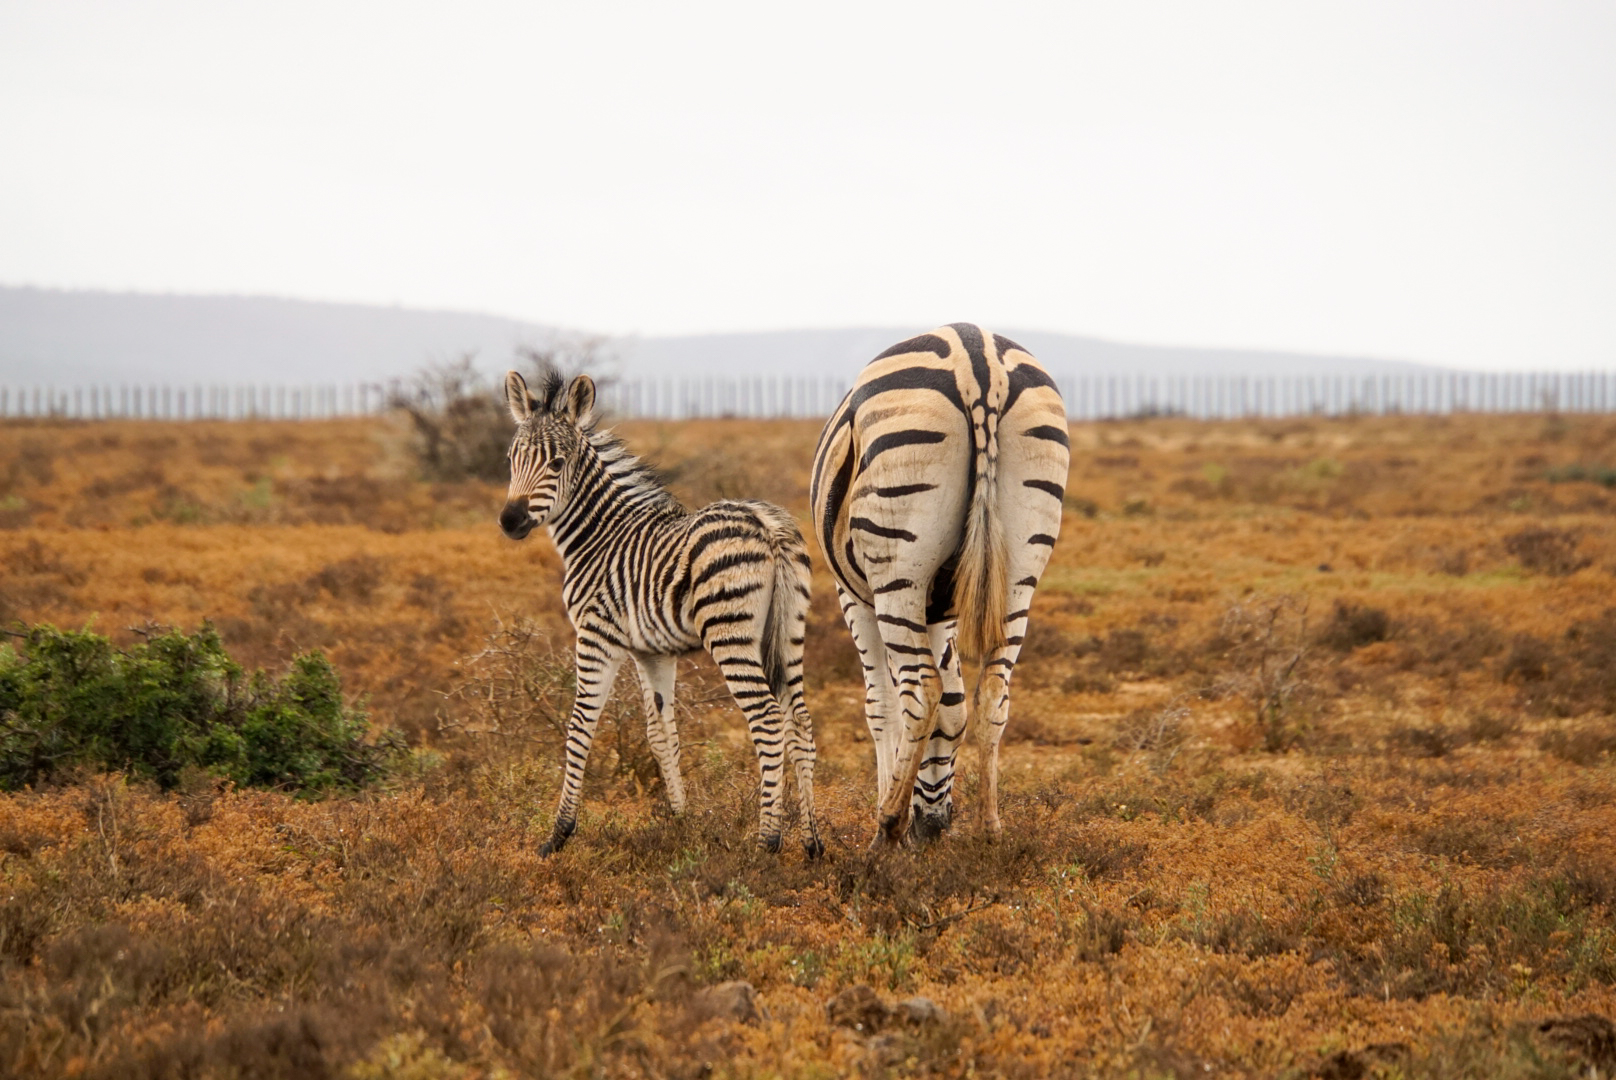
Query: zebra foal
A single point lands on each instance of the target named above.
(645, 579)
(937, 491)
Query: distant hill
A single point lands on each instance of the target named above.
(842, 352)
(64, 338)
(51, 336)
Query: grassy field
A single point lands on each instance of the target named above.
(1311, 771)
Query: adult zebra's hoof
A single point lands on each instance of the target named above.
(928, 826)
(890, 833)
(813, 847)
(771, 844)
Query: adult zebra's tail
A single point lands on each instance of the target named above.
(981, 581)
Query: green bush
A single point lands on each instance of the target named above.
(71, 699)
(1603, 475)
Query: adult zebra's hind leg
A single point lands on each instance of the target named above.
(881, 712)
(994, 696)
(933, 803)
(597, 661)
(912, 667)
(656, 685)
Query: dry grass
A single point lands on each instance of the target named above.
(1312, 772)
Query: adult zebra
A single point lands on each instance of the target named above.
(937, 490)
(645, 578)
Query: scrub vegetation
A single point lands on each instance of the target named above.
(1311, 772)
(71, 701)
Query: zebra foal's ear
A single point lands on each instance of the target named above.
(580, 398)
(517, 398)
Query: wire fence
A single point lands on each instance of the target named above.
(1088, 397)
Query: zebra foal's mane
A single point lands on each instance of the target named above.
(640, 482)
(548, 399)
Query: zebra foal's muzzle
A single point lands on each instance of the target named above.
(515, 520)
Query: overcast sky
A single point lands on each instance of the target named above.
(1426, 181)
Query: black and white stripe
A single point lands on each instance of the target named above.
(646, 579)
(937, 493)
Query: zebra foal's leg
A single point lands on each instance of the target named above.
(802, 754)
(933, 804)
(799, 729)
(656, 686)
(734, 647)
(597, 660)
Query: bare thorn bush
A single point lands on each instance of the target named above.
(1157, 734)
(459, 425)
(517, 689)
(514, 697)
(1266, 642)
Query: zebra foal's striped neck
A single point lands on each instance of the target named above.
(609, 489)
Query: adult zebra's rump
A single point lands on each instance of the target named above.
(645, 579)
(937, 491)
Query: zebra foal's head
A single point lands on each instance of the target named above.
(551, 427)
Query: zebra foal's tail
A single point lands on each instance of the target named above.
(787, 615)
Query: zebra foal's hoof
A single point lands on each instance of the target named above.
(771, 844)
(558, 840)
(813, 847)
